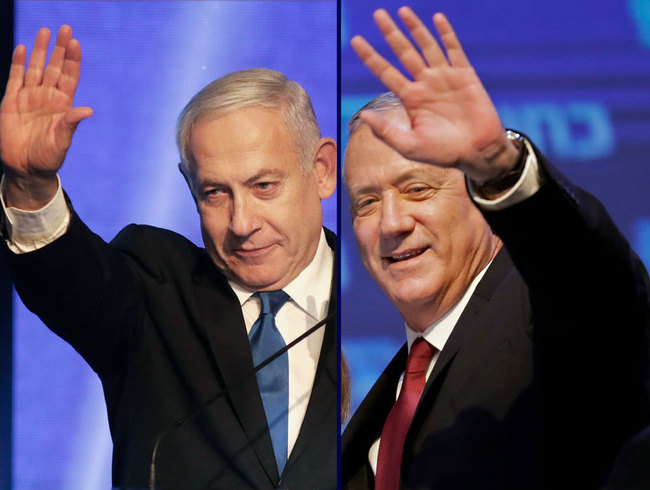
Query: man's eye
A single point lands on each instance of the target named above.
(418, 191)
(362, 203)
(366, 202)
(266, 189)
(214, 194)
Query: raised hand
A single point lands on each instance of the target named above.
(37, 119)
(453, 120)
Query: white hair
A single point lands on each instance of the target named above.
(246, 88)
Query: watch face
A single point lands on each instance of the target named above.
(514, 136)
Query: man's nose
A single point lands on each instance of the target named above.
(244, 219)
(395, 219)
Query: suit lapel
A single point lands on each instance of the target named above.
(224, 328)
(324, 396)
(323, 399)
(463, 335)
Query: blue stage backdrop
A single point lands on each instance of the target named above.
(142, 61)
(575, 76)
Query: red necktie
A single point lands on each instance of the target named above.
(400, 416)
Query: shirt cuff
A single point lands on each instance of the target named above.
(30, 230)
(527, 185)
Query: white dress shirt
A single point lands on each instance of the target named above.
(436, 334)
(309, 292)
(31, 230)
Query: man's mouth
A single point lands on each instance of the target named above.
(252, 251)
(408, 254)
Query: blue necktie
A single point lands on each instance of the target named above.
(273, 379)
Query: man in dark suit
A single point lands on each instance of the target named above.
(526, 311)
(166, 324)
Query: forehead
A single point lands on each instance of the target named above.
(246, 137)
(246, 128)
(370, 163)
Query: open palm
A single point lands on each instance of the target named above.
(37, 119)
(453, 122)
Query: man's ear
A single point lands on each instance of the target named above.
(188, 180)
(325, 167)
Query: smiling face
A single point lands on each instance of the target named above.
(419, 235)
(260, 214)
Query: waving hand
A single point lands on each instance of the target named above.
(37, 119)
(453, 120)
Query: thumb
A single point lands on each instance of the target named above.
(68, 124)
(75, 115)
(396, 133)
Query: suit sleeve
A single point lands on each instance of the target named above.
(85, 292)
(575, 261)
(590, 298)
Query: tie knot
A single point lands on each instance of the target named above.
(420, 355)
(272, 301)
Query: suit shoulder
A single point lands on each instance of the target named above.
(150, 245)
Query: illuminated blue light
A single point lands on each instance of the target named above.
(642, 244)
(367, 358)
(640, 13)
(575, 130)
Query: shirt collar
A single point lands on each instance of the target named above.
(310, 290)
(438, 332)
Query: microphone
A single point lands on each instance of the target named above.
(206, 404)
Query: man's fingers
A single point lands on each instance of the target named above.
(410, 58)
(452, 45)
(34, 74)
(54, 67)
(394, 136)
(423, 37)
(17, 70)
(387, 73)
(375, 121)
(69, 77)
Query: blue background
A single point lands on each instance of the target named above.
(575, 76)
(142, 61)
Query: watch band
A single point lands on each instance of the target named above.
(512, 176)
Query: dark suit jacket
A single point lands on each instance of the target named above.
(164, 331)
(631, 470)
(541, 380)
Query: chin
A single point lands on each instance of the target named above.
(411, 296)
(257, 281)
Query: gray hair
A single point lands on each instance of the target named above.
(383, 102)
(246, 88)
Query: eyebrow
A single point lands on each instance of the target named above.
(412, 174)
(268, 172)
